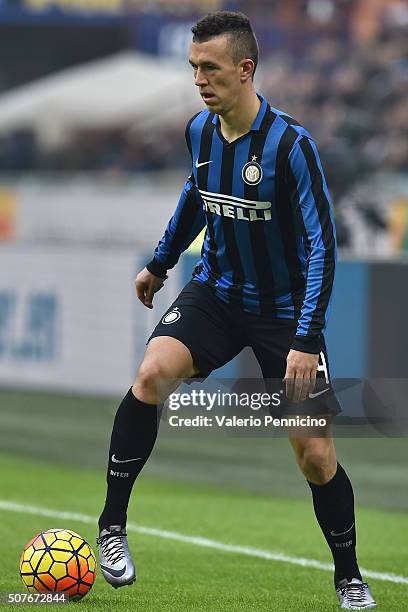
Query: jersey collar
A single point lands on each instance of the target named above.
(257, 124)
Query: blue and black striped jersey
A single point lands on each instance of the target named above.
(270, 244)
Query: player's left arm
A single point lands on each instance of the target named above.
(314, 216)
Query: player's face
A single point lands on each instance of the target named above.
(217, 77)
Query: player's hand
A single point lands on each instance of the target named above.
(300, 377)
(147, 284)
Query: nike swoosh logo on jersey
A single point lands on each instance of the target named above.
(313, 395)
(123, 460)
(333, 533)
(112, 572)
(198, 164)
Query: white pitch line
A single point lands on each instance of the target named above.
(196, 541)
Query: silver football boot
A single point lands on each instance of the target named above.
(354, 595)
(114, 557)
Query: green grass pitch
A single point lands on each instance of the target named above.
(53, 453)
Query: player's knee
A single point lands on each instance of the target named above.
(316, 463)
(315, 458)
(149, 385)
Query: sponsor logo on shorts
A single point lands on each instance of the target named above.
(171, 317)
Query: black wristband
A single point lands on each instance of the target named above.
(158, 269)
(307, 344)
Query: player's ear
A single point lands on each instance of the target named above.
(247, 67)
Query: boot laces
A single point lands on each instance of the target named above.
(112, 546)
(355, 592)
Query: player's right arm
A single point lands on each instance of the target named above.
(184, 226)
(147, 284)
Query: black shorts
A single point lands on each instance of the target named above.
(215, 332)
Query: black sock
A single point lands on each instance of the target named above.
(133, 436)
(334, 508)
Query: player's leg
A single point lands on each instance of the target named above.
(166, 361)
(135, 427)
(134, 433)
(332, 492)
(192, 338)
(333, 502)
(333, 498)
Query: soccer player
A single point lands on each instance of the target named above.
(264, 280)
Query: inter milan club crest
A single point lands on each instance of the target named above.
(172, 316)
(252, 172)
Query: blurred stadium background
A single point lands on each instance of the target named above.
(94, 98)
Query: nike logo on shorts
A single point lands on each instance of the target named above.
(123, 460)
(313, 395)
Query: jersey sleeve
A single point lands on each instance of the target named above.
(184, 226)
(310, 196)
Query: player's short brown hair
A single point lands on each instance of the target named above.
(237, 26)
